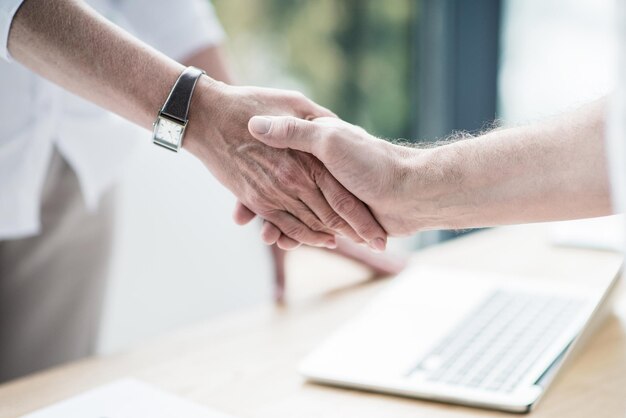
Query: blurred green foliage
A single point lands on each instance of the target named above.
(352, 56)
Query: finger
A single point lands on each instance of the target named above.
(312, 110)
(278, 256)
(286, 243)
(293, 228)
(381, 264)
(287, 132)
(317, 203)
(353, 211)
(321, 112)
(307, 216)
(242, 215)
(306, 108)
(269, 233)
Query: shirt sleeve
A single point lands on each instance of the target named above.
(8, 8)
(176, 28)
(616, 122)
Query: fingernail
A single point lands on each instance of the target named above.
(331, 244)
(378, 244)
(260, 125)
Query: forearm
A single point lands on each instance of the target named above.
(73, 46)
(212, 60)
(548, 171)
(68, 43)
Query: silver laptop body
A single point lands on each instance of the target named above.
(468, 338)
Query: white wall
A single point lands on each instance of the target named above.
(556, 55)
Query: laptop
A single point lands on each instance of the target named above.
(455, 336)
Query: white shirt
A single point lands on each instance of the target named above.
(616, 128)
(36, 116)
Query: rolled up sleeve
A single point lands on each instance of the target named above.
(176, 28)
(8, 8)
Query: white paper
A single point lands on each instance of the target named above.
(128, 398)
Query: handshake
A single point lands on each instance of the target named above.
(306, 173)
(312, 177)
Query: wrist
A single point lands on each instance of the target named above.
(403, 181)
(434, 188)
(406, 178)
(205, 114)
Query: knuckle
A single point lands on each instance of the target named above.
(345, 203)
(367, 228)
(317, 173)
(308, 217)
(325, 180)
(267, 213)
(316, 225)
(283, 225)
(290, 128)
(295, 232)
(335, 223)
(257, 202)
(253, 197)
(288, 176)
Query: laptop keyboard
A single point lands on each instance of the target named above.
(495, 347)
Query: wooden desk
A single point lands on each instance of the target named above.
(245, 364)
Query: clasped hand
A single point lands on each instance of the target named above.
(299, 199)
(379, 173)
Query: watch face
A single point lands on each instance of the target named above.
(168, 132)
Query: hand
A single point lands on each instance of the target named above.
(288, 188)
(380, 264)
(374, 170)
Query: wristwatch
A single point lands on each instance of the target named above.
(169, 127)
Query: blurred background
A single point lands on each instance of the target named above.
(413, 69)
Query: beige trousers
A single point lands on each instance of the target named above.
(52, 285)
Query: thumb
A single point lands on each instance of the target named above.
(286, 132)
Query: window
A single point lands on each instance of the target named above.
(399, 68)
(352, 56)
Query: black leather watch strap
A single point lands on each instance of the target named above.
(177, 104)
